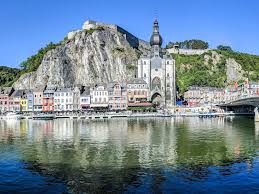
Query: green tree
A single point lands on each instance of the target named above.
(224, 48)
(189, 44)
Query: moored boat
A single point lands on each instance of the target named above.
(43, 116)
(12, 116)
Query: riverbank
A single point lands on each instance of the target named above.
(92, 116)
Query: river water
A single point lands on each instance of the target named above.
(159, 155)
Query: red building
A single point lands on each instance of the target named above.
(48, 100)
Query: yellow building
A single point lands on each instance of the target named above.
(24, 104)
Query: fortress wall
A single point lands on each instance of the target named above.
(187, 51)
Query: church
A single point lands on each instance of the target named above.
(158, 70)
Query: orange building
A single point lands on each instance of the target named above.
(48, 100)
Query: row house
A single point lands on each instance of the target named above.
(15, 99)
(138, 93)
(5, 94)
(48, 100)
(67, 99)
(99, 97)
(63, 99)
(23, 101)
(76, 97)
(38, 98)
(85, 99)
(117, 96)
(196, 96)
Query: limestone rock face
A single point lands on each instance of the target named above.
(89, 56)
(234, 70)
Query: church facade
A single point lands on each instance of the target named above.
(158, 70)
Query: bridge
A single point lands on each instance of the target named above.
(245, 104)
(246, 101)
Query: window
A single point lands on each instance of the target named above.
(167, 62)
(145, 75)
(167, 74)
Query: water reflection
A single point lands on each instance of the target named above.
(122, 154)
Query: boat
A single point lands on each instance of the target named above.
(12, 116)
(43, 116)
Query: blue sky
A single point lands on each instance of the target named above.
(27, 25)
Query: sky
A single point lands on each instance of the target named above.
(28, 25)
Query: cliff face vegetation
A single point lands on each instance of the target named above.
(215, 68)
(8, 75)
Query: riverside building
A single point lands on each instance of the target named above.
(117, 94)
(63, 99)
(99, 97)
(38, 98)
(158, 71)
(85, 99)
(138, 93)
(48, 100)
(5, 94)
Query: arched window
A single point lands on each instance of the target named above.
(145, 75)
(156, 83)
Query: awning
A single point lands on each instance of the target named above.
(140, 104)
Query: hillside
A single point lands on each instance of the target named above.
(97, 53)
(8, 75)
(215, 68)
(102, 52)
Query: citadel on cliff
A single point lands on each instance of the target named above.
(55, 85)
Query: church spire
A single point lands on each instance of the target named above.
(156, 41)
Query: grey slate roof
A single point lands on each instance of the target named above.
(64, 90)
(6, 91)
(85, 91)
(19, 93)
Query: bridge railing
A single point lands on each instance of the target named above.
(230, 99)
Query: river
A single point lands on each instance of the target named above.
(155, 155)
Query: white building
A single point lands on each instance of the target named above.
(99, 97)
(63, 99)
(158, 71)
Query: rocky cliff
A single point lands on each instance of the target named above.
(97, 53)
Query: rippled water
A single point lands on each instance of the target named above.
(191, 155)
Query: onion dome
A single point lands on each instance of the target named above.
(156, 39)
